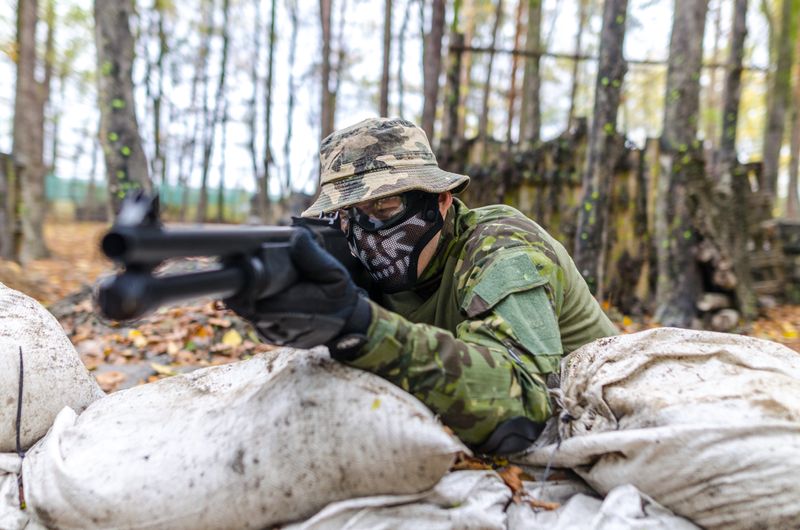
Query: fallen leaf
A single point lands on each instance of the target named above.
(137, 338)
(232, 338)
(376, 404)
(511, 475)
(110, 380)
(544, 505)
(162, 369)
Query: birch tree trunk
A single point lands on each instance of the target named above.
(604, 143)
(126, 165)
(530, 114)
(432, 67)
(678, 276)
(383, 106)
(778, 101)
(28, 136)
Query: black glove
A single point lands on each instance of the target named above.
(323, 307)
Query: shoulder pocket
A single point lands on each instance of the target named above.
(509, 272)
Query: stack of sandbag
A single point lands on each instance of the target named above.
(53, 376)
(707, 424)
(246, 445)
(479, 500)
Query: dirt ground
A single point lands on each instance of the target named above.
(182, 338)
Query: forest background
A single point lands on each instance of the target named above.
(659, 140)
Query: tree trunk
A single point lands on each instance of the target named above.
(483, 124)
(732, 187)
(126, 165)
(222, 161)
(91, 188)
(465, 82)
(583, 15)
(286, 189)
(450, 137)
(401, 58)
(678, 276)
(512, 91)
(28, 142)
(711, 132)
(211, 125)
(341, 52)
(8, 219)
(792, 201)
(268, 158)
(159, 158)
(604, 143)
(383, 107)
(530, 114)
(432, 67)
(778, 102)
(252, 114)
(326, 105)
(190, 142)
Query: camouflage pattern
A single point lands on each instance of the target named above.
(495, 310)
(376, 158)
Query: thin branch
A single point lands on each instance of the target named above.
(582, 57)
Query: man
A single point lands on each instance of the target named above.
(477, 307)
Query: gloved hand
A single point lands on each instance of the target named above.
(323, 307)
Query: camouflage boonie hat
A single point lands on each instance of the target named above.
(375, 158)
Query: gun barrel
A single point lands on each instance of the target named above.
(148, 246)
(135, 293)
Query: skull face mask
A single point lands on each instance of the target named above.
(390, 248)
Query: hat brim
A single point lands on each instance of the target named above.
(348, 191)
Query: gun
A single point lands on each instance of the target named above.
(251, 262)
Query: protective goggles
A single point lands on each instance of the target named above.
(382, 213)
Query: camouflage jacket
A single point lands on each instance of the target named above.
(491, 316)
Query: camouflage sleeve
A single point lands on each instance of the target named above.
(474, 380)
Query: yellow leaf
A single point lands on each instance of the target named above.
(232, 338)
(162, 369)
(376, 403)
(626, 321)
(136, 337)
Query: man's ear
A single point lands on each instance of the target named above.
(445, 201)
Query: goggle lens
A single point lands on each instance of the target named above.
(376, 214)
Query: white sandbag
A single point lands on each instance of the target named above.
(462, 500)
(624, 508)
(53, 377)
(707, 424)
(12, 517)
(245, 445)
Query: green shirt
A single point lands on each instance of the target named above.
(495, 309)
